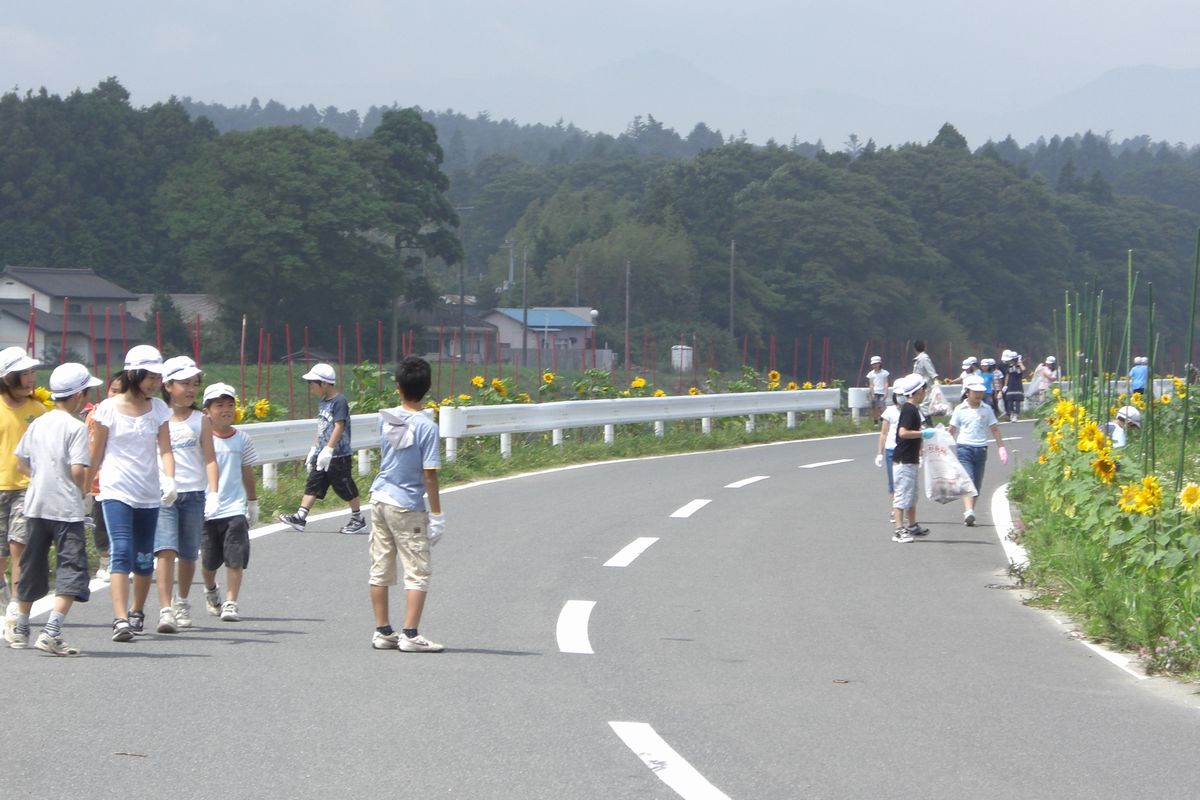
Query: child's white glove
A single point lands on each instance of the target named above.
(323, 458)
(212, 501)
(878, 460)
(310, 460)
(89, 503)
(166, 485)
(437, 526)
(251, 513)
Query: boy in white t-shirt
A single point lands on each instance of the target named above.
(877, 383)
(972, 422)
(54, 453)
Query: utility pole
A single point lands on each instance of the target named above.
(462, 292)
(731, 252)
(524, 302)
(627, 272)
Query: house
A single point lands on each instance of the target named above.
(438, 329)
(48, 310)
(563, 328)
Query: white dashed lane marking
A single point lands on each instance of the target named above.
(572, 629)
(746, 481)
(630, 551)
(663, 761)
(691, 508)
(826, 463)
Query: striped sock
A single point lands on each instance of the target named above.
(53, 627)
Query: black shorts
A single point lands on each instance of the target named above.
(226, 542)
(337, 477)
(70, 548)
(99, 530)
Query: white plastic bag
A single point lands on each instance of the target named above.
(936, 403)
(945, 478)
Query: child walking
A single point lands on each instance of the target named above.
(971, 423)
(400, 526)
(887, 444)
(1014, 388)
(328, 460)
(54, 453)
(907, 457)
(181, 524)
(877, 382)
(99, 532)
(234, 510)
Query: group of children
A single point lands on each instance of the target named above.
(167, 483)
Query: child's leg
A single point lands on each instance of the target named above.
(414, 600)
(118, 521)
(236, 554)
(233, 582)
(164, 576)
(187, 574)
(209, 576)
(145, 523)
(191, 529)
(379, 604)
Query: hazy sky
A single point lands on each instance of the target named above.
(885, 69)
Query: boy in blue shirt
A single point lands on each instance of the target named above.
(1139, 375)
(329, 459)
(400, 526)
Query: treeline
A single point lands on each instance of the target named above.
(296, 222)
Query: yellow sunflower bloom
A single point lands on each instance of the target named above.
(499, 387)
(659, 393)
(807, 385)
(464, 398)
(1042, 459)
(792, 386)
(477, 381)
(637, 383)
(1105, 468)
(1165, 399)
(1137, 401)
(262, 409)
(773, 385)
(547, 377)
(693, 391)
(524, 397)
(1129, 497)
(1189, 498)
(821, 385)
(239, 413)
(773, 376)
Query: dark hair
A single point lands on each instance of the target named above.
(132, 379)
(413, 378)
(919, 345)
(10, 382)
(212, 400)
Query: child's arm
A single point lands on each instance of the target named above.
(23, 467)
(884, 427)
(97, 443)
(339, 428)
(249, 485)
(431, 490)
(79, 474)
(209, 454)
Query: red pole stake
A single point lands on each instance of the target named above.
(31, 336)
(307, 366)
(863, 363)
(772, 354)
(268, 366)
(758, 354)
(796, 358)
(107, 345)
(453, 363)
(441, 356)
(653, 362)
(121, 311)
(258, 373)
(553, 352)
(287, 343)
(379, 352)
(62, 350)
(158, 330)
(471, 353)
(242, 358)
(808, 370)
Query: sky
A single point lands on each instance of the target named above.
(776, 69)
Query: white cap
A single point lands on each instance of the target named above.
(13, 359)
(1138, 360)
(320, 372)
(1051, 360)
(1130, 415)
(988, 362)
(971, 360)
(1008, 355)
(909, 385)
(179, 368)
(216, 390)
(967, 363)
(974, 385)
(876, 360)
(71, 379)
(144, 356)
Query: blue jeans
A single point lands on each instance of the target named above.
(887, 465)
(180, 526)
(130, 537)
(974, 459)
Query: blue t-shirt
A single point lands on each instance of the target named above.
(401, 469)
(1137, 376)
(988, 375)
(330, 411)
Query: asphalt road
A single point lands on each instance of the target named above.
(775, 643)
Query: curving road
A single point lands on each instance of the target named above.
(610, 636)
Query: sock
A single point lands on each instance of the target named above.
(386, 630)
(411, 633)
(356, 515)
(22, 623)
(302, 512)
(54, 624)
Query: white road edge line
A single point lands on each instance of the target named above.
(1118, 660)
(746, 481)
(631, 551)
(826, 463)
(572, 631)
(663, 761)
(686, 511)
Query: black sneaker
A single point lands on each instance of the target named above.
(917, 530)
(356, 525)
(121, 631)
(295, 520)
(137, 622)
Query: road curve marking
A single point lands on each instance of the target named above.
(683, 512)
(746, 481)
(663, 761)
(826, 463)
(572, 631)
(631, 551)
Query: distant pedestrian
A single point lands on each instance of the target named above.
(1139, 375)
(889, 426)
(877, 383)
(1014, 384)
(969, 370)
(401, 528)
(992, 383)
(907, 456)
(1044, 375)
(972, 422)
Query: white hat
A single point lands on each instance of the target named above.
(179, 368)
(876, 360)
(216, 390)
(71, 379)
(909, 385)
(1008, 355)
(988, 362)
(974, 385)
(967, 363)
(1051, 360)
(320, 372)
(1138, 360)
(13, 359)
(1130, 415)
(144, 356)
(972, 360)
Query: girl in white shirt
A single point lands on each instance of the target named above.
(130, 429)
(972, 422)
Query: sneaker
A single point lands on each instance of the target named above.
(295, 520)
(917, 530)
(355, 525)
(55, 647)
(902, 536)
(419, 644)
(5, 595)
(167, 623)
(137, 622)
(969, 518)
(229, 612)
(388, 641)
(212, 601)
(19, 639)
(122, 632)
(10, 627)
(183, 613)
(102, 573)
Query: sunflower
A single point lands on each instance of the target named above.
(547, 377)
(1067, 472)
(1105, 468)
(499, 388)
(524, 397)
(1189, 498)
(693, 391)
(262, 409)
(773, 376)
(1053, 441)
(807, 385)
(1042, 459)
(477, 381)
(464, 398)
(239, 413)
(1151, 492)
(821, 385)
(773, 385)
(1129, 497)
(637, 383)
(42, 395)
(432, 404)
(792, 386)
(1138, 401)
(659, 393)
(1165, 399)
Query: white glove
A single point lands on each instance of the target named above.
(212, 501)
(879, 460)
(437, 526)
(324, 458)
(251, 513)
(166, 485)
(310, 460)
(89, 503)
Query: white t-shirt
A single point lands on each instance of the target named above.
(973, 424)
(189, 458)
(878, 379)
(892, 415)
(129, 471)
(233, 453)
(53, 442)
(1117, 433)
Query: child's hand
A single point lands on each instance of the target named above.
(928, 433)
(1003, 455)
(437, 526)
(310, 460)
(212, 501)
(323, 458)
(167, 487)
(878, 460)
(251, 513)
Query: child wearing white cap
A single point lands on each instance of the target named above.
(972, 422)
(1014, 386)
(907, 457)
(18, 409)
(1044, 374)
(1139, 375)
(877, 383)
(54, 453)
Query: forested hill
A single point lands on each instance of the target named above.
(923, 240)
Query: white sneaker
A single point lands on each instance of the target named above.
(10, 628)
(212, 601)
(229, 612)
(55, 647)
(102, 573)
(167, 622)
(419, 644)
(5, 594)
(902, 536)
(17, 640)
(969, 517)
(388, 641)
(183, 613)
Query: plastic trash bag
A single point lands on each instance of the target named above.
(936, 404)
(945, 478)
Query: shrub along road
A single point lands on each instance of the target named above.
(772, 643)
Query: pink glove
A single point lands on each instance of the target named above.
(1003, 455)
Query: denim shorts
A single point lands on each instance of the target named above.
(973, 459)
(887, 467)
(180, 526)
(130, 537)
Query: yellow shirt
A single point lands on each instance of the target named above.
(13, 424)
